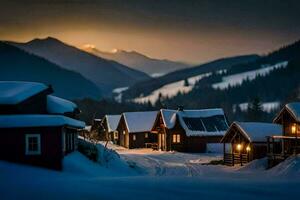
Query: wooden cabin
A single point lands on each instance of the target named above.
(36, 128)
(109, 125)
(190, 130)
(287, 143)
(134, 129)
(246, 141)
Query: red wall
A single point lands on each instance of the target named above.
(12, 146)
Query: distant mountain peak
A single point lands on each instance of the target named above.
(137, 60)
(47, 39)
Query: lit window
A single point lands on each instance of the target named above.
(146, 135)
(134, 137)
(115, 135)
(294, 128)
(124, 132)
(33, 144)
(176, 138)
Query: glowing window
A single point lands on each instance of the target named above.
(176, 138)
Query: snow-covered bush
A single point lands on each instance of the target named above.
(106, 155)
(88, 149)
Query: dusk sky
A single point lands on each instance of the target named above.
(185, 30)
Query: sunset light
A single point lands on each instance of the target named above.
(149, 99)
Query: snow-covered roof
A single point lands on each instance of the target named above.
(139, 121)
(14, 92)
(205, 122)
(56, 105)
(18, 121)
(294, 108)
(258, 131)
(112, 122)
(202, 122)
(169, 117)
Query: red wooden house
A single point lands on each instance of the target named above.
(36, 128)
(190, 130)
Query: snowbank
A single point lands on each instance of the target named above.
(288, 168)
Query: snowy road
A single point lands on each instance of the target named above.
(158, 163)
(152, 175)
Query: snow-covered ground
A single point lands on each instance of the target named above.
(150, 175)
(172, 89)
(266, 106)
(237, 79)
(118, 93)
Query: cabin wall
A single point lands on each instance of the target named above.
(287, 121)
(123, 136)
(13, 146)
(141, 140)
(259, 150)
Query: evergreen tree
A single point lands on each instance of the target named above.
(255, 112)
(186, 83)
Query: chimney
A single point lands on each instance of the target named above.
(180, 108)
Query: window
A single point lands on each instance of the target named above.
(146, 135)
(124, 132)
(176, 138)
(134, 137)
(115, 135)
(33, 144)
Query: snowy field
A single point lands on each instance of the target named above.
(150, 175)
(237, 79)
(172, 89)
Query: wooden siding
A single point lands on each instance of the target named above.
(13, 146)
(187, 143)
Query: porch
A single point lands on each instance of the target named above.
(281, 147)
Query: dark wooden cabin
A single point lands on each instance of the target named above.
(109, 128)
(190, 130)
(134, 129)
(246, 141)
(36, 127)
(287, 143)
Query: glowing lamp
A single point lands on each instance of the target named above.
(248, 148)
(293, 128)
(239, 147)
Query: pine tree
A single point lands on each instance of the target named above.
(255, 112)
(186, 83)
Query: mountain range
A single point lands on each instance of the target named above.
(146, 87)
(138, 61)
(18, 65)
(106, 74)
(271, 79)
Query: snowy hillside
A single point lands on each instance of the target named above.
(172, 89)
(237, 79)
(266, 106)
